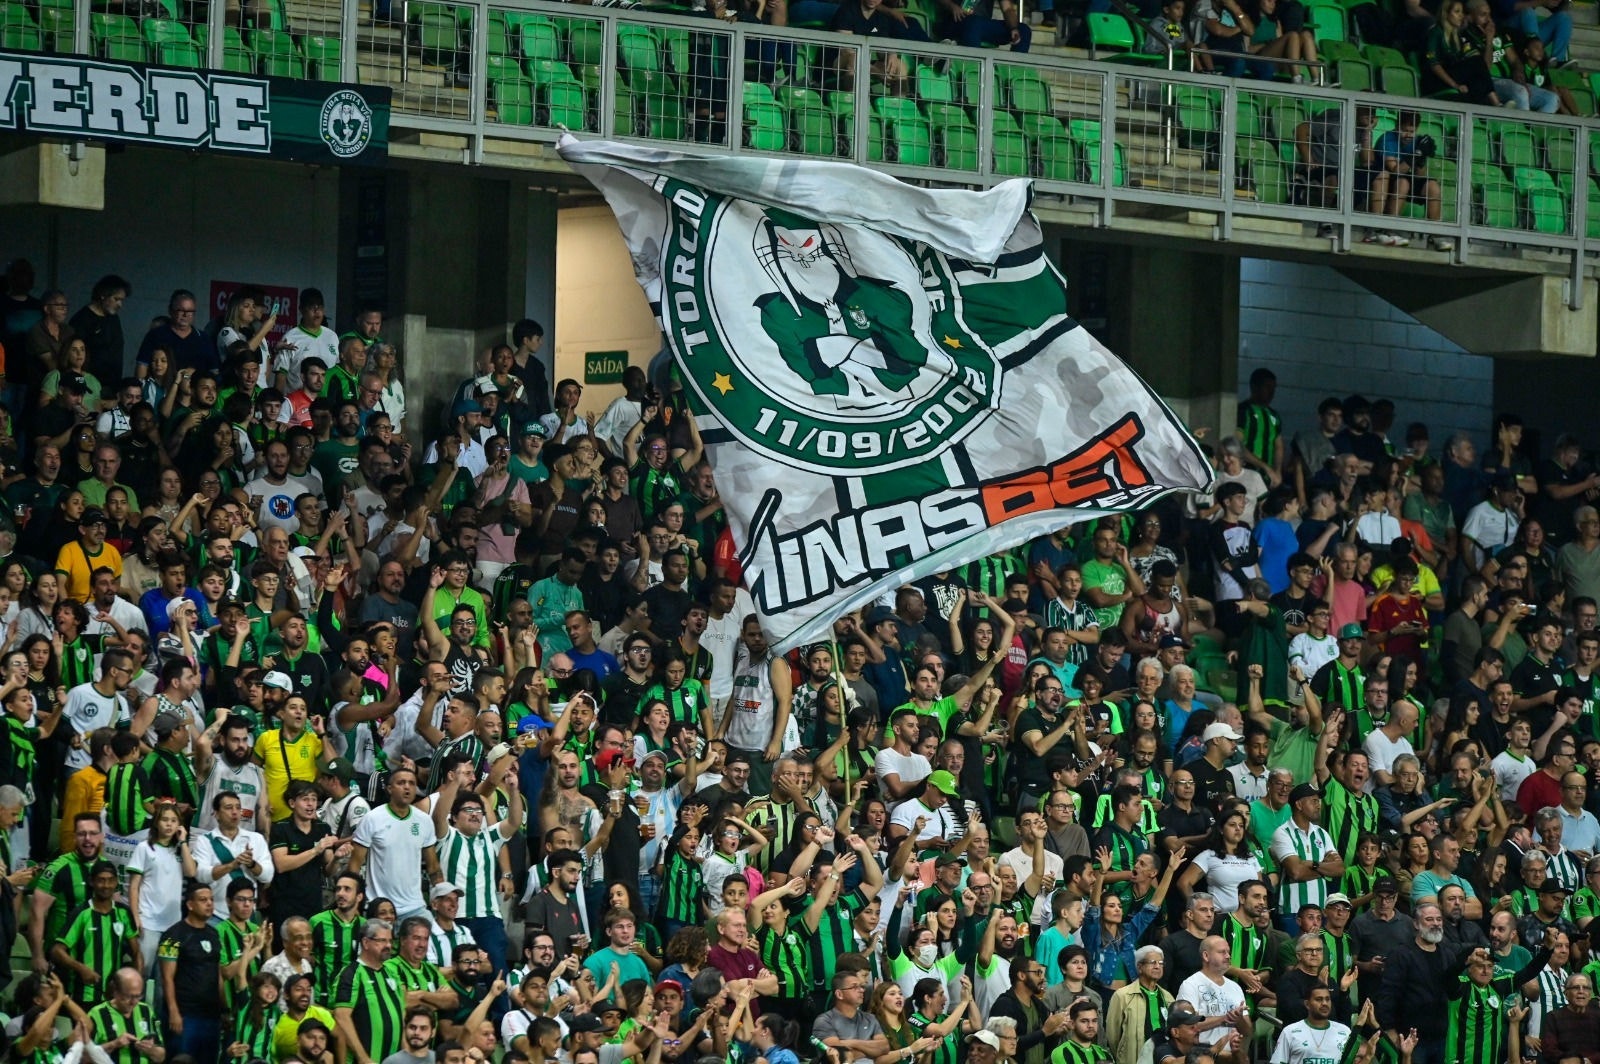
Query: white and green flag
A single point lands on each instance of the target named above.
(886, 376)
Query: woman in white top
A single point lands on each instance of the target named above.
(393, 399)
(156, 872)
(1226, 862)
(243, 321)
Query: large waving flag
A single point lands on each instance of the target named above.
(886, 376)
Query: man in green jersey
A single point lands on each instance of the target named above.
(101, 937)
(368, 1003)
(1478, 1012)
(63, 888)
(420, 979)
(1083, 1032)
(1349, 811)
(334, 932)
(124, 1025)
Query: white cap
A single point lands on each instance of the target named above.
(277, 679)
(1220, 731)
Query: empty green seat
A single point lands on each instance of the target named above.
(56, 28)
(185, 54)
(1197, 109)
(913, 141)
(18, 30)
(1399, 79)
(1515, 146)
(1028, 94)
(275, 54)
(114, 36)
(322, 57)
(1353, 75)
(565, 104)
(765, 124)
(1247, 117)
(513, 101)
(1326, 21)
(1110, 33)
(814, 130)
(664, 118)
(957, 142)
(1009, 146)
(637, 48)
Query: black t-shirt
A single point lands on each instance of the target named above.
(622, 852)
(197, 951)
(667, 610)
(621, 702)
(1209, 783)
(297, 892)
(196, 351)
(102, 335)
(1293, 608)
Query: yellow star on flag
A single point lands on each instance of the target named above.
(722, 383)
(951, 341)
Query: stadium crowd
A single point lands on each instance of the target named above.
(327, 741)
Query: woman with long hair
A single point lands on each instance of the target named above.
(245, 320)
(888, 1006)
(1226, 861)
(156, 386)
(775, 1037)
(686, 954)
(141, 569)
(1460, 720)
(38, 615)
(620, 894)
(784, 940)
(1453, 62)
(156, 874)
(932, 1024)
(254, 1024)
(74, 362)
(681, 896)
(1110, 934)
(1415, 858)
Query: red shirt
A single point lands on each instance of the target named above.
(1537, 791)
(1389, 611)
(743, 964)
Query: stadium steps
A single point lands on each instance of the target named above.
(1585, 37)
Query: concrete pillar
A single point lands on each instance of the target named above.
(1171, 315)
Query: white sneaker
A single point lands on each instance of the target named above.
(1441, 243)
(1374, 236)
(1399, 241)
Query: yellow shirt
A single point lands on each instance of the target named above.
(86, 793)
(283, 760)
(285, 1036)
(75, 567)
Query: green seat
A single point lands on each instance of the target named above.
(538, 38)
(913, 141)
(957, 143)
(1378, 55)
(637, 49)
(513, 101)
(1399, 79)
(934, 86)
(1515, 146)
(765, 124)
(1326, 21)
(663, 117)
(1331, 52)
(1545, 209)
(1444, 172)
(56, 28)
(502, 68)
(890, 108)
(624, 109)
(1027, 94)
(275, 54)
(18, 30)
(114, 36)
(586, 44)
(1583, 101)
(499, 34)
(1059, 159)
(1353, 75)
(548, 71)
(1009, 146)
(321, 56)
(1197, 109)
(1087, 135)
(874, 139)
(1109, 32)
(566, 103)
(159, 31)
(814, 130)
(185, 54)
(1247, 117)
(1496, 206)
(1036, 126)
(1560, 148)
(1528, 179)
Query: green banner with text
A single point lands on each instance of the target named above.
(240, 114)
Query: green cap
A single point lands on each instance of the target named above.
(945, 783)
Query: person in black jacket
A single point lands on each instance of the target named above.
(1038, 1029)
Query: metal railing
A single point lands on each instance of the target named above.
(1129, 139)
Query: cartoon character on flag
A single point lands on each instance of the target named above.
(851, 337)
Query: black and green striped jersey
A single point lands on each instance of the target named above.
(171, 775)
(66, 879)
(944, 1050)
(106, 1024)
(105, 941)
(988, 576)
(1475, 1027)
(49, 1053)
(682, 889)
(787, 955)
(124, 809)
(1261, 429)
(835, 935)
(655, 489)
(1339, 686)
(377, 1004)
(1247, 945)
(255, 1035)
(1357, 882)
(424, 976)
(1125, 847)
(778, 820)
(1074, 1052)
(333, 946)
(1348, 816)
(1339, 955)
(17, 757)
(230, 938)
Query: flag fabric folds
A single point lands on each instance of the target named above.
(886, 376)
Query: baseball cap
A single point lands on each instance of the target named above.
(1183, 1016)
(1336, 899)
(311, 1023)
(166, 723)
(584, 1023)
(944, 860)
(878, 614)
(277, 680)
(988, 1038)
(1504, 481)
(532, 722)
(94, 516)
(304, 552)
(669, 984)
(1220, 731)
(533, 428)
(444, 890)
(496, 752)
(175, 605)
(1170, 641)
(339, 769)
(1386, 885)
(1550, 886)
(1305, 790)
(662, 754)
(1351, 631)
(944, 783)
(466, 406)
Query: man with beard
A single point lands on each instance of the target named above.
(300, 1019)
(758, 712)
(386, 605)
(307, 672)
(999, 947)
(1415, 985)
(232, 772)
(335, 459)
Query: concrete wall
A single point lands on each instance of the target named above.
(180, 220)
(1325, 335)
(599, 305)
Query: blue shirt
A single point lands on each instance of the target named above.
(1276, 540)
(598, 662)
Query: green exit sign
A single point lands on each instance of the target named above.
(604, 367)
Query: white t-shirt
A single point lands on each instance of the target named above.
(394, 856)
(247, 781)
(1018, 860)
(299, 345)
(906, 766)
(1224, 874)
(277, 501)
(1381, 753)
(721, 638)
(613, 426)
(160, 885)
(86, 710)
(1311, 653)
(1300, 1043)
(1509, 772)
(941, 824)
(1209, 999)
